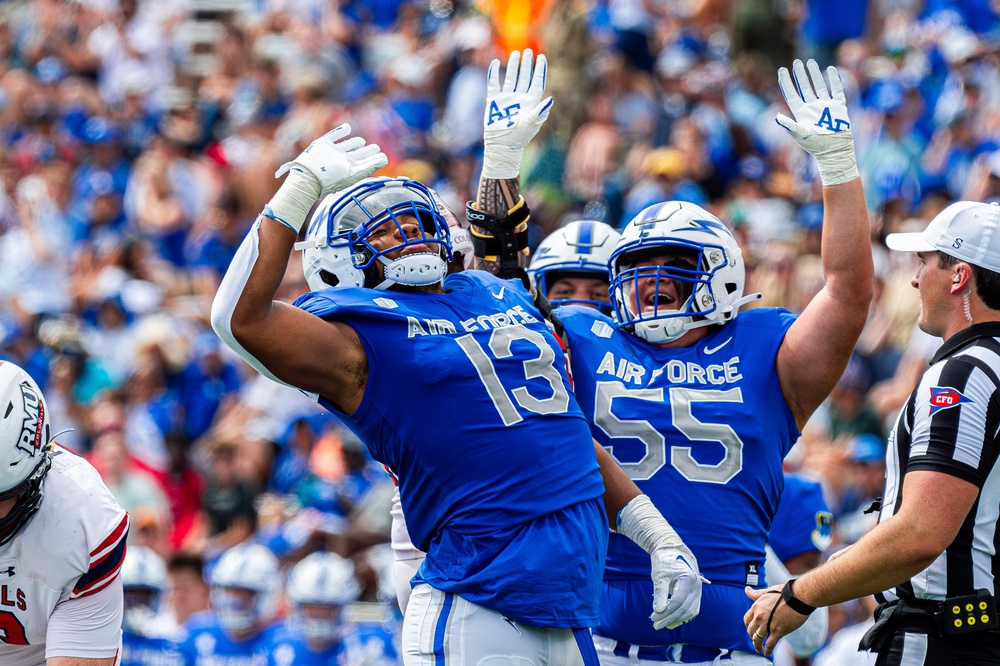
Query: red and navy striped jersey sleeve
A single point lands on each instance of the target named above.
(105, 562)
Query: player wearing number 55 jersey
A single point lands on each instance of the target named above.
(457, 385)
(62, 542)
(700, 405)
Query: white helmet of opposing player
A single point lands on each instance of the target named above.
(324, 582)
(144, 578)
(579, 249)
(25, 456)
(337, 250)
(245, 585)
(709, 285)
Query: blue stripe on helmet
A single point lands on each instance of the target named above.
(586, 239)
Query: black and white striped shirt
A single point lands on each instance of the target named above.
(950, 424)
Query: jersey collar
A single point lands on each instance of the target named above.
(989, 329)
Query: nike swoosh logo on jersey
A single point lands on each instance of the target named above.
(499, 296)
(712, 350)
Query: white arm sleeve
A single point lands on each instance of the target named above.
(229, 294)
(811, 636)
(88, 627)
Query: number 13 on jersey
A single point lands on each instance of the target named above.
(541, 366)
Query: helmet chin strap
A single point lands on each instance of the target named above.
(734, 307)
(701, 323)
(420, 269)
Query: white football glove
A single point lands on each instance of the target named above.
(327, 165)
(676, 587)
(514, 113)
(676, 581)
(821, 125)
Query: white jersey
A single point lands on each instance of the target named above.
(73, 547)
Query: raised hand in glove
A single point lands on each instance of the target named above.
(821, 125)
(331, 163)
(514, 113)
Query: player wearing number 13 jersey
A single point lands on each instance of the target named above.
(700, 406)
(458, 386)
(62, 542)
(480, 335)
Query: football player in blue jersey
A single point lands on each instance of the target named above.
(570, 266)
(700, 405)
(801, 531)
(144, 579)
(245, 588)
(319, 587)
(456, 384)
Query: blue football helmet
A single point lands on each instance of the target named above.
(579, 249)
(709, 285)
(337, 250)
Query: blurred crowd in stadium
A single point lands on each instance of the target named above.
(140, 140)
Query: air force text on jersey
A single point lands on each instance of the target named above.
(437, 326)
(677, 372)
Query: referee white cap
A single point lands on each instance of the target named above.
(966, 230)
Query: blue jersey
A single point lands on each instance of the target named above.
(206, 644)
(468, 401)
(702, 430)
(289, 648)
(360, 645)
(803, 522)
(368, 645)
(142, 651)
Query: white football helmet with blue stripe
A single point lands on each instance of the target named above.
(321, 579)
(579, 249)
(710, 290)
(337, 252)
(246, 568)
(144, 578)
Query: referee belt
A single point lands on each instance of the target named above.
(678, 653)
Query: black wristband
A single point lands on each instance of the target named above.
(501, 239)
(796, 604)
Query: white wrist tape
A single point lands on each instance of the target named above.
(838, 163)
(229, 294)
(501, 162)
(643, 523)
(291, 203)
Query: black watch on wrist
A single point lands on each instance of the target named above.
(796, 604)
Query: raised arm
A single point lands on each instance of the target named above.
(514, 113)
(283, 342)
(818, 345)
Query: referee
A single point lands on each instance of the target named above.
(932, 561)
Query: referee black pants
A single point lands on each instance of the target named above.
(913, 649)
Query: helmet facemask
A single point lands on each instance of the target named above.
(238, 609)
(710, 290)
(339, 248)
(29, 499)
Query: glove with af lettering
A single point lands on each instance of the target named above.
(821, 125)
(514, 112)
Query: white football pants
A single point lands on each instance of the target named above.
(441, 629)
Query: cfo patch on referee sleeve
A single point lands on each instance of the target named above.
(944, 397)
